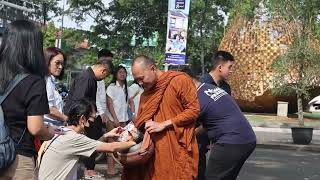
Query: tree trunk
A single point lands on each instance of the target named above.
(300, 109)
(202, 60)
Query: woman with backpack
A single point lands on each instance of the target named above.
(21, 53)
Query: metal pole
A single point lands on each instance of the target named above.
(62, 15)
(44, 7)
(16, 6)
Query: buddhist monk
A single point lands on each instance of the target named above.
(168, 111)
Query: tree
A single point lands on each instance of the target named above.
(120, 20)
(296, 71)
(49, 35)
(206, 27)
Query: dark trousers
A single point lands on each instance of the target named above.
(94, 131)
(226, 160)
(203, 142)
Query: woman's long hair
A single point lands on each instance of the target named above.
(114, 79)
(21, 51)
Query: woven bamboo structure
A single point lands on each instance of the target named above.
(255, 45)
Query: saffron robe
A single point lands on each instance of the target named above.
(173, 98)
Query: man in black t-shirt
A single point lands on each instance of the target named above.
(222, 63)
(85, 86)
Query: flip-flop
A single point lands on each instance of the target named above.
(98, 175)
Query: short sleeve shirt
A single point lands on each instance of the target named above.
(136, 91)
(60, 159)
(222, 117)
(28, 98)
(83, 86)
(54, 98)
(120, 104)
(101, 97)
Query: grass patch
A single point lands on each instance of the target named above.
(311, 115)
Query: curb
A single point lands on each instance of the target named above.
(296, 147)
(279, 130)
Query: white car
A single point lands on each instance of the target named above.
(314, 105)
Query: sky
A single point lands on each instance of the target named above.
(70, 23)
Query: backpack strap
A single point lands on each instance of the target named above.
(12, 85)
(44, 147)
(17, 79)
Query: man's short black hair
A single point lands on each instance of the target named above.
(105, 53)
(105, 62)
(221, 57)
(189, 72)
(78, 108)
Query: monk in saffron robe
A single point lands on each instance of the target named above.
(168, 110)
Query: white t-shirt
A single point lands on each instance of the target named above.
(60, 159)
(135, 90)
(120, 105)
(54, 98)
(101, 97)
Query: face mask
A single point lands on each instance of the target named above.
(88, 129)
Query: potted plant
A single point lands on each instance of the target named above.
(297, 70)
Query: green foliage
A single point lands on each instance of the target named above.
(89, 58)
(120, 20)
(300, 12)
(297, 70)
(206, 27)
(243, 8)
(48, 7)
(156, 53)
(49, 35)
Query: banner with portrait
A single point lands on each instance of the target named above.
(177, 28)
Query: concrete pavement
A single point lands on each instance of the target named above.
(270, 138)
(277, 164)
(281, 138)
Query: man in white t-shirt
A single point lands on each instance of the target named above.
(135, 91)
(63, 152)
(101, 98)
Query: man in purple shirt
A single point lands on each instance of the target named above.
(229, 130)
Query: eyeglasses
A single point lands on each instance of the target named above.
(59, 63)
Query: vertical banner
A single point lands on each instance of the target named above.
(177, 27)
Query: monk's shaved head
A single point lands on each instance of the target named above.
(144, 71)
(143, 60)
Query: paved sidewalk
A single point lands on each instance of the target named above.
(270, 135)
(281, 138)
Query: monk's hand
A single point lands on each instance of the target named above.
(152, 126)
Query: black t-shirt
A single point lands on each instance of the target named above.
(28, 98)
(83, 86)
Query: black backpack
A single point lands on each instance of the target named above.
(7, 145)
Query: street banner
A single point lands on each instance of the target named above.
(177, 27)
